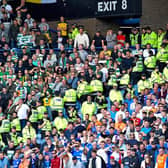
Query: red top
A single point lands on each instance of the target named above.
(137, 121)
(120, 37)
(55, 162)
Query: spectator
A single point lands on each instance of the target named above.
(95, 100)
(81, 38)
(98, 40)
(63, 27)
(4, 161)
(13, 31)
(29, 20)
(161, 158)
(95, 161)
(76, 163)
(111, 39)
(16, 160)
(8, 7)
(23, 9)
(43, 24)
(120, 38)
(102, 152)
(55, 162)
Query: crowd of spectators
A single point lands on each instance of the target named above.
(74, 101)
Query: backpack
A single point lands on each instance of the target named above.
(102, 162)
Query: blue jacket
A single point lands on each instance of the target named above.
(16, 163)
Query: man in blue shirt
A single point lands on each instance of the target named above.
(16, 160)
(4, 163)
(77, 152)
(146, 128)
(113, 112)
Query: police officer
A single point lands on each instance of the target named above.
(83, 89)
(112, 78)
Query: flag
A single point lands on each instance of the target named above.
(41, 1)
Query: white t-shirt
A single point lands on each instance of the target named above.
(22, 111)
(103, 154)
(146, 108)
(116, 156)
(118, 114)
(105, 72)
(7, 7)
(82, 39)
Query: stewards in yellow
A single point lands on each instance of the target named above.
(115, 95)
(83, 88)
(151, 38)
(46, 125)
(134, 37)
(60, 122)
(156, 76)
(70, 96)
(143, 83)
(57, 103)
(14, 136)
(28, 132)
(88, 107)
(15, 122)
(40, 109)
(5, 126)
(165, 72)
(143, 38)
(161, 35)
(150, 63)
(125, 78)
(162, 57)
(96, 86)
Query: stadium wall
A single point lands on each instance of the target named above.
(154, 14)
